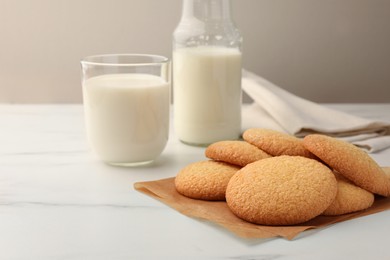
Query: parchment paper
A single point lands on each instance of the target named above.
(218, 212)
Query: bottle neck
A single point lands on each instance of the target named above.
(206, 23)
(207, 10)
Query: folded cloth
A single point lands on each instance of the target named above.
(280, 110)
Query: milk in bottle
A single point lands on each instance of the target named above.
(206, 73)
(207, 94)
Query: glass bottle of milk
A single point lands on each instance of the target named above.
(207, 73)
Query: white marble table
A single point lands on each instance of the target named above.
(58, 201)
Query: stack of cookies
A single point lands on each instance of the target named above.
(272, 178)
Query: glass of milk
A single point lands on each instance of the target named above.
(126, 104)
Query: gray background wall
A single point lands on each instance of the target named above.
(326, 51)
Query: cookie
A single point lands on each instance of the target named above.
(276, 143)
(205, 180)
(350, 161)
(235, 152)
(350, 198)
(283, 190)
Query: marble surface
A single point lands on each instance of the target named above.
(58, 201)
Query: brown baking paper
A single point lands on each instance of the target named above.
(218, 212)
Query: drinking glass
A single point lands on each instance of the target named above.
(126, 104)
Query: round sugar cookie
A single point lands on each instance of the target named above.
(276, 143)
(205, 180)
(235, 152)
(283, 190)
(350, 198)
(350, 161)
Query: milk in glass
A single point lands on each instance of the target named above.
(127, 116)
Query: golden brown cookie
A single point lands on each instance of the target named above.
(206, 180)
(276, 143)
(235, 152)
(350, 161)
(283, 190)
(349, 198)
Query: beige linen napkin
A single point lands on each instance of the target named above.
(280, 110)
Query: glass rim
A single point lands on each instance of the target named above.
(154, 59)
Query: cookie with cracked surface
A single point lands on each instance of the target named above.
(276, 143)
(235, 152)
(350, 198)
(350, 161)
(205, 180)
(283, 190)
